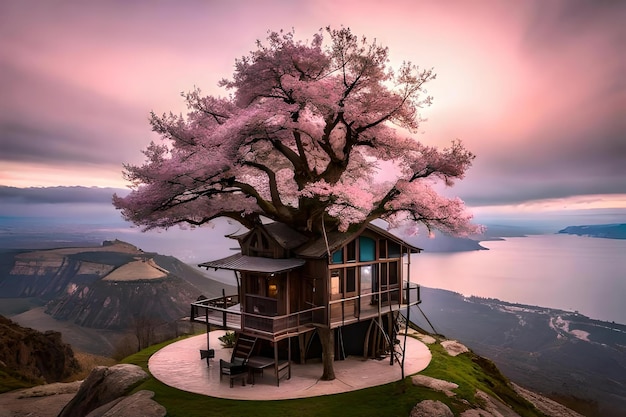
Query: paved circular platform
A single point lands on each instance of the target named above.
(179, 365)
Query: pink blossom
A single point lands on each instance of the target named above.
(301, 139)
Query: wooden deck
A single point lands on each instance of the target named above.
(225, 312)
(230, 321)
(272, 328)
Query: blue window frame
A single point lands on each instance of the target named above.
(367, 249)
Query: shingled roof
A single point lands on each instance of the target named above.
(318, 248)
(239, 262)
(284, 235)
(300, 245)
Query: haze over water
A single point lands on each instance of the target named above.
(567, 272)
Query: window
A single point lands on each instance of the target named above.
(382, 249)
(272, 288)
(351, 280)
(394, 250)
(259, 245)
(367, 249)
(351, 251)
(337, 257)
(393, 273)
(383, 275)
(336, 282)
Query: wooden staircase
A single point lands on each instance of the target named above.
(244, 348)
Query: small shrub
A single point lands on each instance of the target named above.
(228, 340)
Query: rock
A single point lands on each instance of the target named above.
(15, 404)
(476, 412)
(492, 407)
(431, 408)
(435, 384)
(140, 404)
(103, 385)
(51, 389)
(453, 347)
(545, 405)
(34, 356)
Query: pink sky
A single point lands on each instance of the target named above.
(534, 88)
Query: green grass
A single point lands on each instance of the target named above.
(472, 372)
(468, 370)
(10, 380)
(395, 399)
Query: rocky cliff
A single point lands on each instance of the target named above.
(105, 287)
(117, 304)
(32, 356)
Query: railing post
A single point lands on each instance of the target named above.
(208, 326)
(225, 307)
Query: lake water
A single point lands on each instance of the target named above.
(567, 272)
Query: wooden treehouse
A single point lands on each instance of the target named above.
(289, 285)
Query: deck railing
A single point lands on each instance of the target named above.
(280, 325)
(225, 311)
(389, 298)
(219, 311)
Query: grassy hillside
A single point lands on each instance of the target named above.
(562, 354)
(394, 399)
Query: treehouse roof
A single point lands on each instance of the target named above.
(302, 247)
(319, 247)
(239, 262)
(284, 235)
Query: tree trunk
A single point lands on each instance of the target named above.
(328, 352)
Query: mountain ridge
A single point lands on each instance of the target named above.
(100, 293)
(608, 231)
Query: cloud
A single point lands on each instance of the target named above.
(44, 119)
(58, 195)
(534, 88)
(555, 126)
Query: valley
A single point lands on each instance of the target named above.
(560, 354)
(112, 295)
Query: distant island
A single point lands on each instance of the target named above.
(608, 231)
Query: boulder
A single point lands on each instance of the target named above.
(140, 404)
(103, 385)
(431, 408)
(435, 384)
(453, 347)
(491, 407)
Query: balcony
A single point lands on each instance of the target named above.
(226, 312)
(368, 305)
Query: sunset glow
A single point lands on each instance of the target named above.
(532, 88)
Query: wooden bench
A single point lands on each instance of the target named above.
(282, 365)
(257, 364)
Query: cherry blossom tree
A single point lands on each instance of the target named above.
(301, 139)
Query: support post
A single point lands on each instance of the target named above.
(208, 328)
(276, 363)
(406, 326)
(225, 305)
